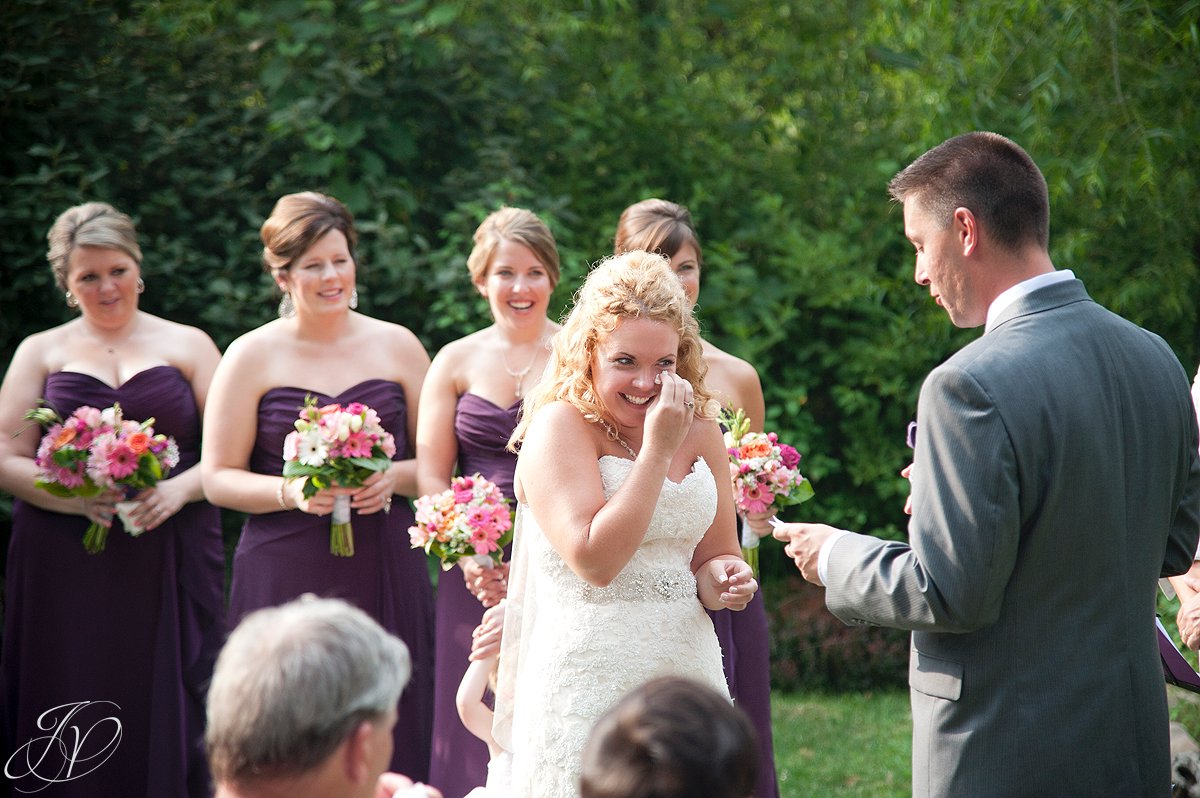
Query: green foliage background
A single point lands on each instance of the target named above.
(777, 123)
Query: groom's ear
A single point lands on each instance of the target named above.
(966, 227)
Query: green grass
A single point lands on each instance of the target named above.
(854, 744)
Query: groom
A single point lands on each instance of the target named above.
(1055, 478)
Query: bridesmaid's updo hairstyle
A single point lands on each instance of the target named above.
(297, 222)
(92, 224)
(656, 225)
(635, 285)
(513, 224)
(671, 738)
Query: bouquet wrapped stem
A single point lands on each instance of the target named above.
(750, 546)
(95, 537)
(335, 446)
(341, 534)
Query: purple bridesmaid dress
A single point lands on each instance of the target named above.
(746, 646)
(282, 555)
(120, 642)
(459, 762)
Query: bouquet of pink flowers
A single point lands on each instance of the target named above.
(95, 451)
(471, 518)
(765, 474)
(335, 446)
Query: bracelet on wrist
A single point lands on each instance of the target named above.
(279, 495)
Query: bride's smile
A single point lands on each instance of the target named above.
(626, 364)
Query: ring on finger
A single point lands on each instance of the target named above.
(689, 404)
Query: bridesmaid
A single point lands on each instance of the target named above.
(469, 409)
(320, 346)
(656, 225)
(130, 633)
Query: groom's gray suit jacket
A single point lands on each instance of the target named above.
(1055, 479)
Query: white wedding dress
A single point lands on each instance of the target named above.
(571, 650)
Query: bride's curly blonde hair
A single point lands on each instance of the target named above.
(637, 285)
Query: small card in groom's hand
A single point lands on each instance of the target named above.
(1177, 670)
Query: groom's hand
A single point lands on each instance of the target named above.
(804, 546)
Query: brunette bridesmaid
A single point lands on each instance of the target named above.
(320, 346)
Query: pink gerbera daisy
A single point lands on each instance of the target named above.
(356, 445)
(482, 542)
(757, 499)
(122, 462)
(67, 477)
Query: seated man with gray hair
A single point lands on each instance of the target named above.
(302, 703)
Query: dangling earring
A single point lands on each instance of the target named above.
(72, 302)
(141, 285)
(354, 298)
(287, 308)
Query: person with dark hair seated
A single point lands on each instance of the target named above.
(671, 738)
(302, 703)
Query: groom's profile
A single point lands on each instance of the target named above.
(1055, 478)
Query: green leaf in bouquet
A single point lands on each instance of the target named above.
(346, 475)
(373, 464)
(501, 542)
(55, 489)
(802, 493)
(150, 470)
(293, 470)
(68, 458)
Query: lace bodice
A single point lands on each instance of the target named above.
(661, 569)
(583, 647)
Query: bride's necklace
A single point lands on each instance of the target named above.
(612, 433)
(520, 374)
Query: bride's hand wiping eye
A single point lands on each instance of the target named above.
(670, 418)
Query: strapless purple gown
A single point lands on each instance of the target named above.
(460, 759)
(138, 625)
(283, 555)
(746, 650)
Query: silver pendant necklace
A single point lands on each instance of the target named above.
(519, 376)
(612, 434)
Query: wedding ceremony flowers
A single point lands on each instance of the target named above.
(469, 519)
(336, 446)
(96, 451)
(765, 472)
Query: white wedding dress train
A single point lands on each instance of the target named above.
(571, 650)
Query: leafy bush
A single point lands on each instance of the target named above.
(811, 649)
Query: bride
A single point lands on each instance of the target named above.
(623, 536)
